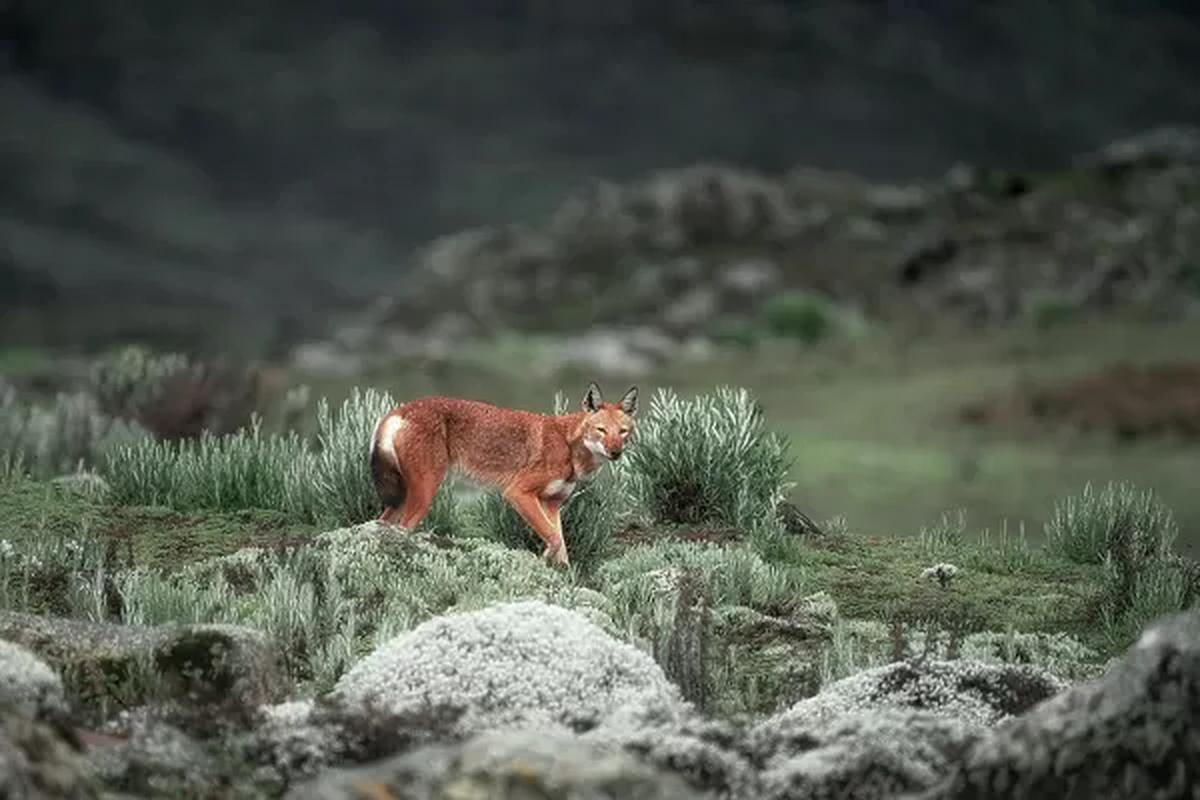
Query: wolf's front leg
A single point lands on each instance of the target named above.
(546, 525)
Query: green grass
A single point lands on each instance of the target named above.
(879, 578)
(869, 577)
(872, 422)
(152, 536)
(866, 435)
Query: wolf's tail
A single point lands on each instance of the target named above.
(390, 485)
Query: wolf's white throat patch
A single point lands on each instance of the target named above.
(558, 489)
(597, 448)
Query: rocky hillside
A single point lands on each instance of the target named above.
(691, 255)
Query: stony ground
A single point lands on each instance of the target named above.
(530, 696)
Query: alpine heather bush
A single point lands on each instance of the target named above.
(709, 460)
(56, 439)
(1131, 535)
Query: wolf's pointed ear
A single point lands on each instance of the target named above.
(593, 399)
(629, 401)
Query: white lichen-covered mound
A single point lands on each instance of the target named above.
(511, 665)
(865, 755)
(979, 693)
(29, 688)
(1133, 733)
(890, 729)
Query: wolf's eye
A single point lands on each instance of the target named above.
(600, 429)
(624, 431)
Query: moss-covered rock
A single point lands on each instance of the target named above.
(209, 675)
(1133, 733)
(39, 762)
(549, 764)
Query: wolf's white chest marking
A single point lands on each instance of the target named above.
(558, 489)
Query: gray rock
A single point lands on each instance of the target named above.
(28, 687)
(87, 655)
(302, 737)
(980, 693)
(707, 755)
(37, 762)
(549, 764)
(216, 674)
(890, 729)
(209, 671)
(1165, 144)
(867, 755)
(1133, 733)
(156, 759)
(512, 665)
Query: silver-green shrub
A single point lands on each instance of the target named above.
(1131, 534)
(55, 439)
(243, 470)
(325, 481)
(1085, 527)
(709, 460)
(338, 476)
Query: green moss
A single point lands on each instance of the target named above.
(880, 578)
(199, 658)
(151, 536)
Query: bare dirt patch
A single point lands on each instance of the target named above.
(636, 535)
(1126, 400)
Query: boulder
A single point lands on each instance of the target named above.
(1132, 733)
(512, 664)
(550, 764)
(206, 673)
(865, 755)
(39, 762)
(983, 694)
(29, 688)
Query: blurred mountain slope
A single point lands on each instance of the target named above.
(272, 163)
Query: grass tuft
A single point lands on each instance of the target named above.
(1086, 527)
(709, 460)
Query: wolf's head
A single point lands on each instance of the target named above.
(608, 426)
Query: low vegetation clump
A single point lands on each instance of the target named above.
(709, 460)
(227, 528)
(1131, 534)
(49, 439)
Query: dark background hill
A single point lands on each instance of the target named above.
(224, 175)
